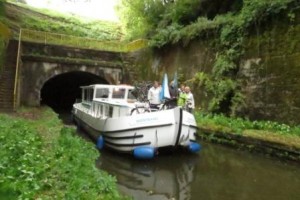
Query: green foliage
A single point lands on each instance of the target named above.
(147, 18)
(170, 33)
(73, 174)
(238, 125)
(139, 17)
(3, 43)
(2, 7)
(229, 22)
(232, 32)
(3, 40)
(181, 12)
(22, 159)
(42, 160)
(51, 21)
(169, 22)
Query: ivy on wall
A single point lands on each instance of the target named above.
(226, 23)
(222, 83)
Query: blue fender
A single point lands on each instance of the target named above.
(144, 152)
(194, 147)
(100, 142)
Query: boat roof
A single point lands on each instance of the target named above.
(107, 86)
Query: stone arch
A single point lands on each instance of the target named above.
(58, 70)
(41, 72)
(61, 91)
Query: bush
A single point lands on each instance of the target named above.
(238, 125)
(39, 161)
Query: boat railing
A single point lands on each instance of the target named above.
(168, 104)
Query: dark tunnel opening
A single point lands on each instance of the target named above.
(61, 91)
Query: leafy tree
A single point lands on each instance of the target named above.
(139, 17)
(226, 22)
(144, 18)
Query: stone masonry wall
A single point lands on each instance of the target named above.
(270, 69)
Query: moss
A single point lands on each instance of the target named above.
(276, 40)
(2, 51)
(22, 15)
(262, 144)
(69, 60)
(276, 46)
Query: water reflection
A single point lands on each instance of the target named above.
(162, 178)
(217, 173)
(226, 173)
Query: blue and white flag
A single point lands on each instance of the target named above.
(164, 93)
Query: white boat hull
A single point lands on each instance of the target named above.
(168, 128)
(114, 118)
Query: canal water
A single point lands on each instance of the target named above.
(216, 173)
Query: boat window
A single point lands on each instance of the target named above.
(102, 93)
(84, 95)
(130, 95)
(88, 94)
(91, 93)
(110, 112)
(118, 93)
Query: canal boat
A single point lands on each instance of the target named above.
(114, 118)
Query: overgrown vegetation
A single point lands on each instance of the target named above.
(225, 23)
(3, 40)
(222, 84)
(41, 159)
(20, 15)
(165, 18)
(3, 43)
(265, 130)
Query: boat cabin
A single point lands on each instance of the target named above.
(108, 100)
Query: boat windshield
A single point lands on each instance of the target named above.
(118, 93)
(102, 93)
(88, 94)
(131, 96)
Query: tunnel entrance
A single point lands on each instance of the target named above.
(61, 91)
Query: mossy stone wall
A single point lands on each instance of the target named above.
(151, 64)
(269, 69)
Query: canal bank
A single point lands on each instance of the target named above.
(269, 138)
(252, 144)
(41, 158)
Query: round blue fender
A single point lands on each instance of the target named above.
(100, 142)
(144, 152)
(194, 147)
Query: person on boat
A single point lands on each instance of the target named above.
(190, 103)
(181, 89)
(153, 95)
(182, 97)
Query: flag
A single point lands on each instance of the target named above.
(164, 93)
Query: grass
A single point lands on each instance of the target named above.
(42, 159)
(50, 27)
(22, 15)
(262, 130)
(2, 52)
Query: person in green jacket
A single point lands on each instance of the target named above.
(182, 97)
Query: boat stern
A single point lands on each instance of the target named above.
(188, 133)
